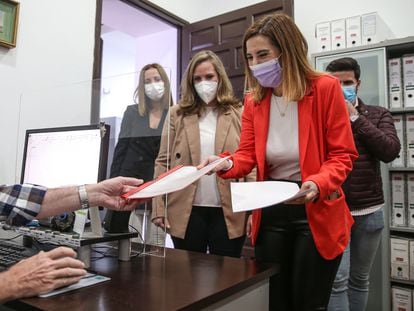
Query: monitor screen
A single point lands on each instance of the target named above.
(55, 157)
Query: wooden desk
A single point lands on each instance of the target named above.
(180, 281)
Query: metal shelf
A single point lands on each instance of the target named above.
(405, 282)
(401, 169)
(402, 229)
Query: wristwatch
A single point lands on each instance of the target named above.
(83, 197)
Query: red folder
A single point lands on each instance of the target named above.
(145, 185)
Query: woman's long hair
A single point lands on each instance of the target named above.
(296, 69)
(190, 101)
(142, 100)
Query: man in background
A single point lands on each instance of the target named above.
(376, 140)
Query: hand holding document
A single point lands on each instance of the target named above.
(247, 196)
(175, 179)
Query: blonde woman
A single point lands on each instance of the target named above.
(139, 139)
(207, 120)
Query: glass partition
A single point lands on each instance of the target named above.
(134, 136)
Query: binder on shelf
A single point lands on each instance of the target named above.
(353, 31)
(409, 132)
(338, 34)
(410, 198)
(394, 78)
(411, 259)
(323, 36)
(374, 29)
(401, 298)
(400, 160)
(408, 80)
(400, 258)
(398, 200)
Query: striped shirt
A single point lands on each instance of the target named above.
(21, 203)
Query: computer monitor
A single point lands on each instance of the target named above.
(61, 156)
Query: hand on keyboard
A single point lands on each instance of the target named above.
(42, 273)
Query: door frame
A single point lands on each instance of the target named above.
(149, 8)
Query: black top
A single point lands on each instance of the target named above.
(137, 146)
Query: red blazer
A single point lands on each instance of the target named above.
(326, 153)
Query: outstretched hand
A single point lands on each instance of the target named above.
(310, 196)
(108, 193)
(225, 165)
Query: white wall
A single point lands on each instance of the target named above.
(118, 73)
(397, 14)
(196, 10)
(55, 46)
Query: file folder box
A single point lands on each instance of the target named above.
(411, 259)
(323, 36)
(409, 132)
(398, 200)
(395, 82)
(401, 298)
(399, 124)
(374, 29)
(408, 80)
(399, 258)
(338, 34)
(353, 31)
(410, 199)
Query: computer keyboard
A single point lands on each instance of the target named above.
(11, 253)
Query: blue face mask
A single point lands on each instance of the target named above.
(350, 93)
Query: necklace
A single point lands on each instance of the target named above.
(282, 113)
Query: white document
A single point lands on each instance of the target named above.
(88, 280)
(173, 180)
(247, 196)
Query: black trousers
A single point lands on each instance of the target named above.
(207, 230)
(305, 279)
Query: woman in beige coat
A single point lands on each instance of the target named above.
(206, 121)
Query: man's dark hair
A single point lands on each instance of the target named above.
(345, 64)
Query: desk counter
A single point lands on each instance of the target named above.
(181, 281)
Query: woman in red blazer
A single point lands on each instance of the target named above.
(295, 127)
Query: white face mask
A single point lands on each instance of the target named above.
(155, 90)
(207, 90)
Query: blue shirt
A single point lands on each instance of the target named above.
(21, 203)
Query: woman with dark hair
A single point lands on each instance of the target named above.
(140, 135)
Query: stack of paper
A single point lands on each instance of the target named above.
(247, 196)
